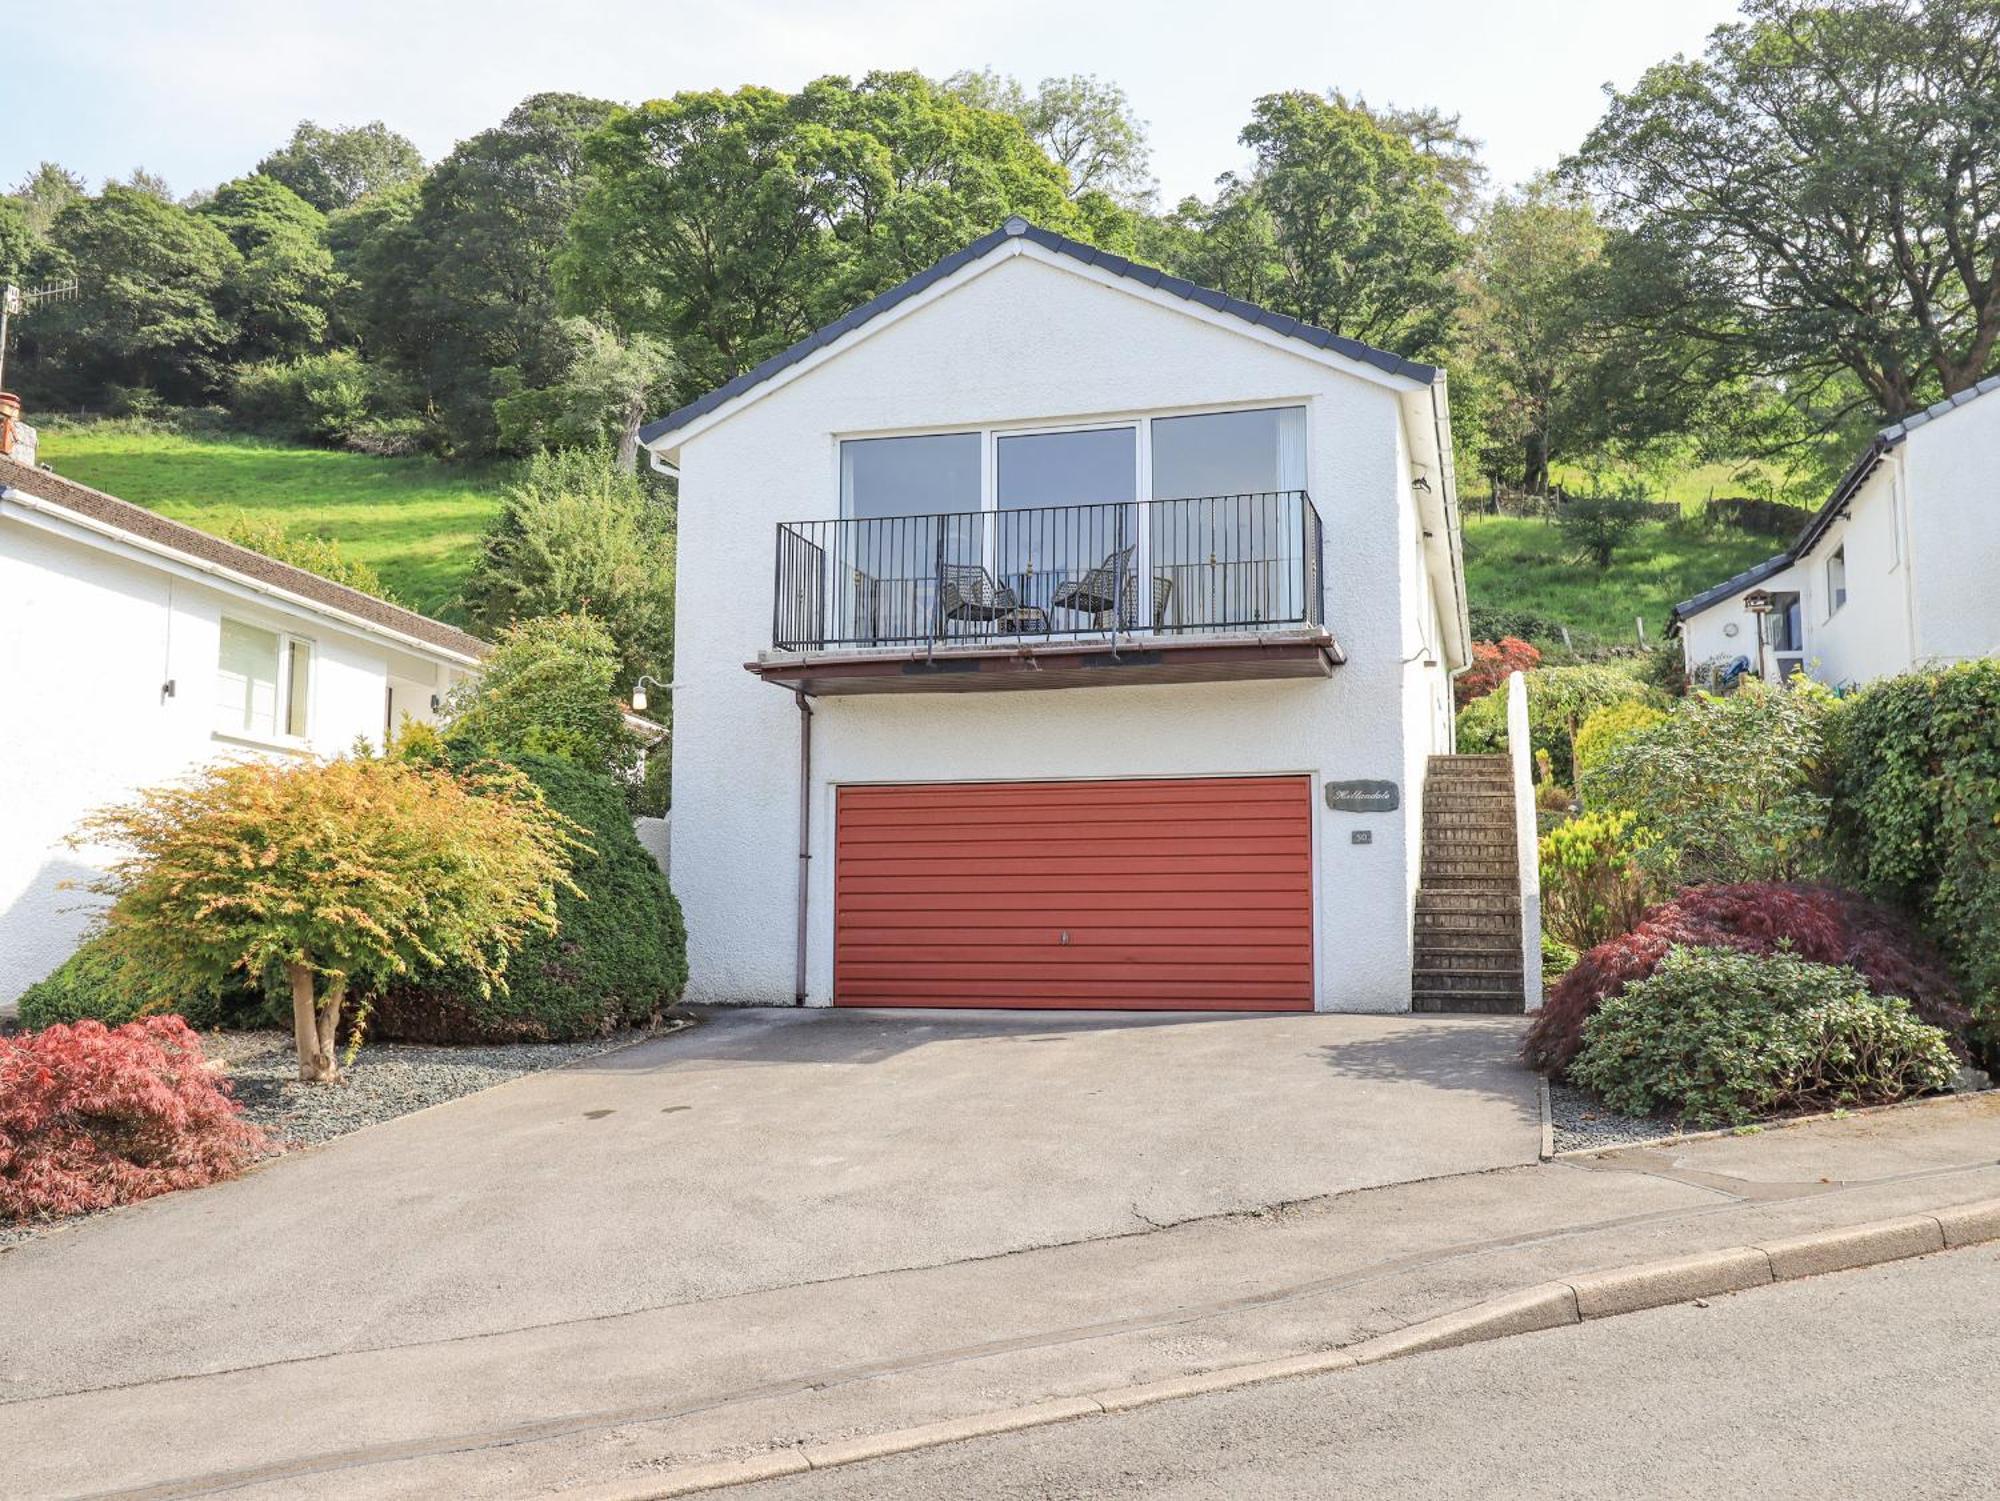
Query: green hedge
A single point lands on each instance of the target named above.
(617, 959)
(93, 984)
(1915, 777)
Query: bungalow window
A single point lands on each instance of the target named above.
(263, 683)
(1836, 580)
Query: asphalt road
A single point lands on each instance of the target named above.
(1866, 1384)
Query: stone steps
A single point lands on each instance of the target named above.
(1467, 940)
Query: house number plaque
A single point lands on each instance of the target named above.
(1361, 797)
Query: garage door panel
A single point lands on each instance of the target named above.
(1173, 894)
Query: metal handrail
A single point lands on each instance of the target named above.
(1200, 565)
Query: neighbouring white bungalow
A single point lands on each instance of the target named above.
(134, 649)
(1899, 569)
(1053, 632)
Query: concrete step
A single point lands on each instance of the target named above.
(1469, 761)
(1447, 948)
(1468, 1005)
(1456, 902)
(1502, 969)
(1475, 982)
(1493, 811)
(1473, 831)
(1472, 929)
(1473, 845)
(1451, 872)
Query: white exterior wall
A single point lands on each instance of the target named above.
(1705, 636)
(1952, 515)
(1024, 343)
(1869, 636)
(87, 638)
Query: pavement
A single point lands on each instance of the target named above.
(1865, 1383)
(785, 1229)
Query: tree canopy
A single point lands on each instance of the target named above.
(1818, 194)
(333, 168)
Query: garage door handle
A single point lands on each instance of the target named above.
(1065, 937)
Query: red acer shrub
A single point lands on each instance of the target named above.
(1824, 924)
(1491, 664)
(92, 1116)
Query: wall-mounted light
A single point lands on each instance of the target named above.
(437, 703)
(166, 690)
(639, 691)
(1421, 485)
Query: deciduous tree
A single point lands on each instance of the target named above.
(1819, 192)
(332, 168)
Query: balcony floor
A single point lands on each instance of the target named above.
(1010, 663)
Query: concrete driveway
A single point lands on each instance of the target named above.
(762, 1150)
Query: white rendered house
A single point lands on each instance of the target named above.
(134, 649)
(1054, 633)
(1900, 567)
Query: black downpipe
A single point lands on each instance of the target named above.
(805, 843)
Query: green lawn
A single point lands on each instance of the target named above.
(1521, 563)
(1687, 487)
(416, 521)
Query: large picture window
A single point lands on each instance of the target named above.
(263, 683)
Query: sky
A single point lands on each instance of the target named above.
(198, 90)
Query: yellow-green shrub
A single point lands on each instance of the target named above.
(1592, 886)
(1605, 727)
(341, 873)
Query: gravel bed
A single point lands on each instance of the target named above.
(387, 1079)
(1582, 1120)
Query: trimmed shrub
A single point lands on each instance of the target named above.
(1718, 1036)
(1559, 700)
(1727, 786)
(1557, 957)
(1822, 923)
(1592, 887)
(1915, 774)
(617, 958)
(546, 689)
(1492, 662)
(1607, 728)
(96, 984)
(92, 1116)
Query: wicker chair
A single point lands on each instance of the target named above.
(967, 593)
(1098, 593)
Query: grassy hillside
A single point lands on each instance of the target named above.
(1518, 563)
(415, 521)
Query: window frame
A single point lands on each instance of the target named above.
(1836, 594)
(288, 642)
(1140, 422)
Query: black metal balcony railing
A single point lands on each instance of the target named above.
(1215, 564)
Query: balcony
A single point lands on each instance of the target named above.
(1207, 589)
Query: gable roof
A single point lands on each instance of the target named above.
(1744, 580)
(1018, 228)
(1864, 465)
(209, 552)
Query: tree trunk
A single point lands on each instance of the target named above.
(628, 436)
(329, 1022)
(312, 1035)
(1535, 464)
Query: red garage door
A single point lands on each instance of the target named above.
(1187, 895)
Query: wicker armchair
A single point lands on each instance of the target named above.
(967, 593)
(1098, 593)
